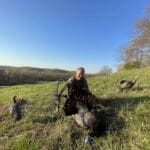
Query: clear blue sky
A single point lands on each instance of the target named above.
(66, 33)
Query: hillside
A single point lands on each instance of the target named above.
(20, 75)
(128, 122)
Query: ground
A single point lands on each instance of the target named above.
(128, 121)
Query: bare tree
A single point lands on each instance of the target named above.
(139, 47)
(105, 70)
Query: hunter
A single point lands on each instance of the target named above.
(78, 90)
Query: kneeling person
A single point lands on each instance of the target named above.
(78, 91)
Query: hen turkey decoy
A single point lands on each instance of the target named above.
(127, 84)
(16, 108)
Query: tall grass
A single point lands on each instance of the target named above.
(128, 122)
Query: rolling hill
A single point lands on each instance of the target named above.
(20, 75)
(128, 121)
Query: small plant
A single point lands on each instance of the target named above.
(132, 65)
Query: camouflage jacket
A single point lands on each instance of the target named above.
(76, 87)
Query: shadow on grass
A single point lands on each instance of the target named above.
(141, 88)
(46, 119)
(109, 118)
(115, 123)
(118, 102)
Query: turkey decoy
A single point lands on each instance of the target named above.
(127, 84)
(15, 110)
(16, 107)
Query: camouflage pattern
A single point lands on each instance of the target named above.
(78, 90)
(76, 87)
(70, 104)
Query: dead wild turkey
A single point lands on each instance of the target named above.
(94, 121)
(90, 118)
(83, 108)
(127, 84)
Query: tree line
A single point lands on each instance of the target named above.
(21, 75)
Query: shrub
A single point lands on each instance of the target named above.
(132, 65)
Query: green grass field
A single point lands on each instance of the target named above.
(128, 129)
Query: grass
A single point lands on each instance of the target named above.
(128, 117)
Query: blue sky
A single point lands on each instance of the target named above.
(66, 33)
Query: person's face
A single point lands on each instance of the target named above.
(79, 74)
